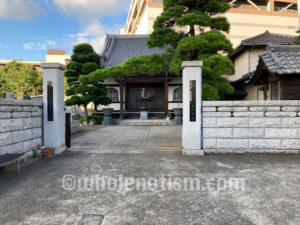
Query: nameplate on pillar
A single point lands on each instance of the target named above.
(192, 101)
(50, 101)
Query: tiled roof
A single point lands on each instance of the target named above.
(282, 60)
(269, 38)
(261, 41)
(245, 79)
(118, 48)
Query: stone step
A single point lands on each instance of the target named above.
(137, 122)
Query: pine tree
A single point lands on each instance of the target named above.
(193, 30)
(83, 62)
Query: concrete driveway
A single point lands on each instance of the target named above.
(104, 181)
(41, 194)
(128, 138)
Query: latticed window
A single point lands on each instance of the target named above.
(112, 94)
(177, 95)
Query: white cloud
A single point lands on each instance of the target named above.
(28, 46)
(92, 8)
(89, 12)
(93, 33)
(18, 9)
(39, 45)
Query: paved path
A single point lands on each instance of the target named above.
(37, 195)
(127, 138)
(83, 187)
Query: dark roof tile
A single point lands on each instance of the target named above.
(282, 59)
(119, 48)
(263, 40)
(269, 38)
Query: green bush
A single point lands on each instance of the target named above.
(76, 117)
(97, 119)
(83, 49)
(81, 119)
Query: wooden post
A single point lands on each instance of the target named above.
(121, 97)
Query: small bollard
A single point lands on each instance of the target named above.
(108, 117)
(26, 97)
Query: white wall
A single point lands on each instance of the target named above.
(251, 126)
(20, 126)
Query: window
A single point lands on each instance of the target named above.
(274, 90)
(177, 95)
(113, 95)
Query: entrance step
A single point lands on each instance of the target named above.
(152, 115)
(137, 122)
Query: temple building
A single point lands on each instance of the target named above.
(157, 94)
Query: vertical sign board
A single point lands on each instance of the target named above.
(192, 100)
(192, 115)
(68, 130)
(50, 101)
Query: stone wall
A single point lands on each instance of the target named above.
(20, 126)
(251, 126)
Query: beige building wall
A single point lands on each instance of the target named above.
(245, 23)
(246, 63)
(252, 91)
(58, 56)
(244, 26)
(153, 14)
(63, 59)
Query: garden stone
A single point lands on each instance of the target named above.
(144, 115)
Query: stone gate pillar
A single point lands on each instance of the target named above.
(192, 107)
(53, 106)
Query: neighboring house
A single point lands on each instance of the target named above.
(162, 93)
(53, 55)
(245, 58)
(36, 64)
(246, 17)
(278, 73)
(58, 56)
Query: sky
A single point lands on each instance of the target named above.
(30, 27)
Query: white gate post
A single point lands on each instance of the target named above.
(53, 106)
(192, 107)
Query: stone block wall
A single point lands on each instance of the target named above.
(20, 126)
(251, 126)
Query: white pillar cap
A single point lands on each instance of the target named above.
(192, 64)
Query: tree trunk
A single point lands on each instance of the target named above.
(192, 30)
(85, 113)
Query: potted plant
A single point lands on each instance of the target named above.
(169, 116)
